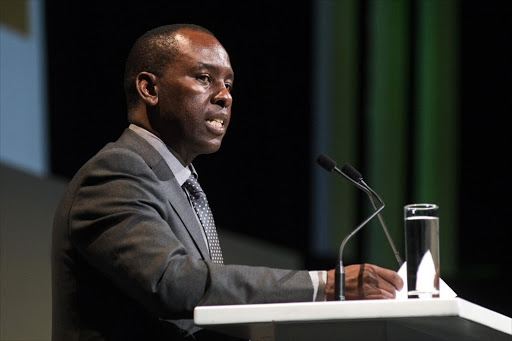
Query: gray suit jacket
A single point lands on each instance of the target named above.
(128, 255)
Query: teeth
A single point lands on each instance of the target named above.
(216, 122)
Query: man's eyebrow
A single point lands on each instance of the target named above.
(200, 65)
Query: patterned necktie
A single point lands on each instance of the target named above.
(205, 215)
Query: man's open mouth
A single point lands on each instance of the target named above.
(217, 122)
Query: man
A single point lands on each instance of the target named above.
(134, 243)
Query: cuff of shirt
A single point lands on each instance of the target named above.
(319, 278)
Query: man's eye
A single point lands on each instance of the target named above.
(204, 78)
(229, 86)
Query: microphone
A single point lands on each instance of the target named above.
(329, 165)
(357, 178)
(351, 174)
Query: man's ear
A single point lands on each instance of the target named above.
(147, 88)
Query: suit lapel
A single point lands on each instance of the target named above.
(175, 194)
(179, 202)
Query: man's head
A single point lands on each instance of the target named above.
(177, 82)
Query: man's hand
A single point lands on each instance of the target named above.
(366, 281)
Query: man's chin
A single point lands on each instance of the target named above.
(213, 149)
(210, 147)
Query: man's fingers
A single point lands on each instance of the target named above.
(382, 294)
(375, 292)
(390, 276)
(387, 287)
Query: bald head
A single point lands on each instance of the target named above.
(152, 53)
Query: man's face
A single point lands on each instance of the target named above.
(194, 99)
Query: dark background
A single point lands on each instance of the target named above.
(265, 156)
(485, 109)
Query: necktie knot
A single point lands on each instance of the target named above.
(193, 186)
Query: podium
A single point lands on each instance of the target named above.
(368, 320)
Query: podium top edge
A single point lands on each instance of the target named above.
(349, 310)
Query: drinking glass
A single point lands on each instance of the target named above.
(422, 250)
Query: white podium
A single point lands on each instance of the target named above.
(435, 319)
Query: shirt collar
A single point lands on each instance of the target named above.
(181, 172)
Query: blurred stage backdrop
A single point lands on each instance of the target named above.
(414, 94)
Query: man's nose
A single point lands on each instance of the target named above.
(223, 97)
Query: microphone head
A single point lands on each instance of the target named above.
(326, 162)
(351, 172)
